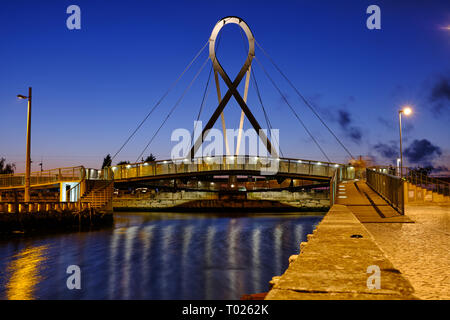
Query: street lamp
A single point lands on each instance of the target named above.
(28, 160)
(406, 111)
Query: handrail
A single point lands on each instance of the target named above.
(225, 163)
(429, 183)
(389, 187)
(239, 157)
(57, 175)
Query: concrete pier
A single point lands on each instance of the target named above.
(333, 264)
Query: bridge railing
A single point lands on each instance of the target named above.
(55, 176)
(341, 173)
(389, 187)
(42, 177)
(225, 163)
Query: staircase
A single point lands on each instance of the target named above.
(99, 194)
(420, 188)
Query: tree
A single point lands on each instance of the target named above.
(6, 168)
(123, 162)
(150, 158)
(107, 161)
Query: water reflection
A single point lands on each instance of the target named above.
(25, 275)
(157, 256)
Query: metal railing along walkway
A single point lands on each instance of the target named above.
(389, 187)
(429, 183)
(53, 176)
(224, 164)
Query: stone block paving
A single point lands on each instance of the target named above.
(420, 250)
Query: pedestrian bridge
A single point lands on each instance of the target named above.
(227, 165)
(183, 168)
(48, 178)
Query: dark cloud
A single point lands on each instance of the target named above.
(355, 134)
(393, 124)
(345, 122)
(386, 123)
(440, 169)
(441, 90)
(343, 118)
(339, 114)
(387, 150)
(440, 94)
(422, 152)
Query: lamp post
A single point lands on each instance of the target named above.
(406, 111)
(28, 156)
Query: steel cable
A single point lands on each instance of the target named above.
(159, 101)
(304, 100)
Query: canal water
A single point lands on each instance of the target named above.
(156, 256)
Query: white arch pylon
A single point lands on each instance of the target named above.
(232, 88)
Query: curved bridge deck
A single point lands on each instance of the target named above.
(237, 165)
(183, 168)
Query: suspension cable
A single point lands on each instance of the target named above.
(160, 100)
(205, 95)
(304, 100)
(206, 92)
(292, 109)
(173, 108)
(269, 125)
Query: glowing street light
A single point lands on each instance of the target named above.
(406, 111)
(28, 156)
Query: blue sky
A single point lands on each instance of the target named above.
(91, 87)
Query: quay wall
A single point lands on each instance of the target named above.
(204, 200)
(334, 263)
(53, 220)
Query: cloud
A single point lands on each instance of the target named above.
(343, 118)
(339, 114)
(439, 95)
(345, 122)
(387, 150)
(441, 169)
(422, 152)
(393, 124)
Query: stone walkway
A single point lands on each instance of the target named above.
(420, 250)
(333, 265)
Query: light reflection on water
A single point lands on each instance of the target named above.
(156, 256)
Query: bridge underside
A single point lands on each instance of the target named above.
(251, 173)
(232, 181)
